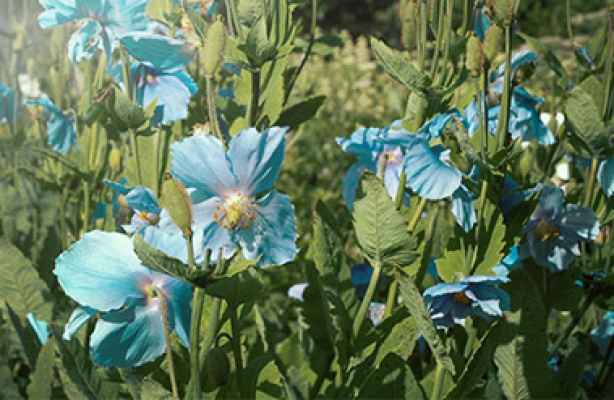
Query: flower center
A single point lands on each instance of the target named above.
(149, 78)
(150, 291)
(462, 298)
(149, 217)
(546, 231)
(236, 212)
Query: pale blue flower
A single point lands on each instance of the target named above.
(554, 231)
(451, 303)
(234, 204)
(159, 51)
(101, 22)
(519, 59)
(602, 335)
(103, 274)
(7, 104)
(40, 328)
(61, 126)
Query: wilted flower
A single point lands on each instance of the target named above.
(554, 231)
(103, 274)
(100, 23)
(61, 126)
(452, 303)
(225, 189)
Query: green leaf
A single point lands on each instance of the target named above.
(9, 388)
(451, 265)
(257, 46)
(197, 21)
(393, 379)
(129, 114)
(412, 299)
(400, 336)
(78, 374)
(400, 68)
(571, 371)
(547, 55)
(273, 90)
(491, 242)
(300, 112)
(237, 289)
(584, 119)
(380, 229)
(478, 363)
(40, 380)
(521, 357)
(159, 261)
(563, 293)
(23, 337)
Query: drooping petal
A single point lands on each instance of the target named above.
(62, 131)
(362, 143)
(509, 263)
(84, 42)
(605, 176)
(463, 208)
(256, 158)
(273, 235)
(101, 271)
(178, 295)
(518, 59)
(159, 51)
(173, 91)
(427, 175)
(129, 337)
(58, 12)
(434, 128)
(40, 328)
(200, 162)
(77, 319)
(582, 221)
(143, 199)
(350, 183)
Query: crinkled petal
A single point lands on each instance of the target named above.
(214, 236)
(159, 51)
(62, 131)
(427, 175)
(101, 271)
(550, 202)
(84, 42)
(443, 289)
(128, 338)
(582, 221)
(200, 162)
(362, 143)
(77, 319)
(58, 12)
(273, 234)
(605, 176)
(256, 158)
(486, 280)
(463, 208)
(173, 91)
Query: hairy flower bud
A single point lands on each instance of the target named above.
(115, 160)
(178, 203)
(215, 44)
(475, 55)
(217, 366)
(491, 42)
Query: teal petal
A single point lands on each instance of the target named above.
(214, 236)
(159, 51)
(40, 328)
(605, 176)
(179, 295)
(463, 208)
(78, 318)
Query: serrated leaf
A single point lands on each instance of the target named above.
(78, 373)
(300, 112)
(380, 229)
(451, 264)
(478, 363)
(40, 380)
(273, 90)
(401, 334)
(584, 120)
(159, 261)
(412, 299)
(400, 68)
(547, 55)
(491, 242)
(237, 289)
(393, 379)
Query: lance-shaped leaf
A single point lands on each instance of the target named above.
(393, 379)
(380, 229)
(300, 112)
(584, 119)
(40, 380)
(412, 299)
(236, 289)
(400, 68)
(159, 261)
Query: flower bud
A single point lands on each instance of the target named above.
(475, 55)
(215, 44)
(491, 42)
(217, 366)
(115, 160)
(503, 10)
(178, 203)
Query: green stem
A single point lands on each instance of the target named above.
(423, 33)
(446, 52)
(252, 107)
(588, 195)
(377, 269)
(471, 336)
(440, 372)
(197, 306)
(234, 18)
(471, 266)
(483, 125)
(312, 37)
(574, 322)
(135, 153)
(391, 299)
(63, 236)
(502, 126)
(417, 215)
(86, 205)
(466, 18)
(398, 202)
(608, 99)
(156, 167)
(123, 54)
(438, 40)
(167, 341)
(236, 349)
(212, 109)
(428, 248)
(231, 28)
(568, 13)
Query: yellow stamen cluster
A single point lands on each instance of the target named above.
(546, 231)
(462, 298)
(236, 212)
(151, 218)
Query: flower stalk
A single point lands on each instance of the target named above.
(167, 340)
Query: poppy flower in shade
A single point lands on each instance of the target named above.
(103, 274)
(100, 23)
(7, 104)
(451, 303)
(172, 89)
(602, 335)
(61, 126)
(554, 231)
(142, 200)
(226, 185)
(385, 158)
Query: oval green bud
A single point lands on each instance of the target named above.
(178, 203)
(491, 42)
(217, 366)
(408, 24)
(215, 45)
(475, 55)
(115, 160)
(503, 10)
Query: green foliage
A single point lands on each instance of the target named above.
(40, 381)
(572, 369)
(585, 123)
(392, 379)
(237, 289)
(380, 229)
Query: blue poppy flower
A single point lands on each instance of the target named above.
(605, 176)
(451, 303)
(519, 59)
(602, 335)
(226, 185)
(103, 274)
(40, 328)
(172, 89)
(159, 51)
(101, 22)
(142, 200)
(554, 231)
(7, 104)
(374, 154)
(61, 126)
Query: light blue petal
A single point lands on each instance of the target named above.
(486, 280)
(392, 177)
(435, 127)
(101, 271)
(84, 42)
(58, 12)
(518, 59)
(427, 175)
(78, 318)
(128, 338)
(443, 289)
(172, 92)
(256, 158)
(362, 143)
(214, 236)
(481, 23)
(143, 199)
(159, 51)
(296, 291)
(200, 162)
(605, 176)
(463, 208)
(118, 187)
(273, 234)
(40, 328)
(7, 104)
(178, 295)
(172, 244)
(602, 335)
(509, 263)
(350, 183)
(550, 202)
(62, 131)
